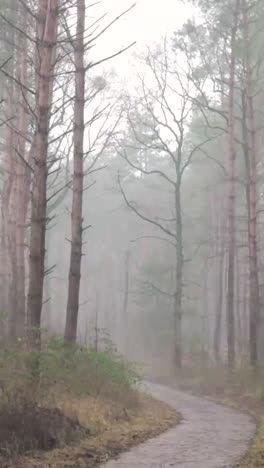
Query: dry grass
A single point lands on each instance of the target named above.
(255, 456)
(112, 430)
(96, 391)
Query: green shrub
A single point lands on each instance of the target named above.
(32, 383)
(80, 370)
(62, 367)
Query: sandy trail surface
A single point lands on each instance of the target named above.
(210, 436)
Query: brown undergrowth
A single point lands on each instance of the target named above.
(69, 406)
(110, 430)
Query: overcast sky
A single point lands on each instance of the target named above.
(150, 19)
(146, 23)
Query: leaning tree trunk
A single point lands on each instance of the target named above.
(47, 15)
(254, 303)
(77, 200)
(231, 199)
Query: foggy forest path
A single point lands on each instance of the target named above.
(210, 436)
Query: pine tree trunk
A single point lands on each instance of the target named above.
(238, 307)
(179, 278)
(218, 219)
(205, 334)
(77, 200)
(8, 267)
(22, 185)
(47, 15)
(219, 307)
(252, 200)
(245, 314)
(12, 301)
(231, 199)
(9, 220)
(125, 303)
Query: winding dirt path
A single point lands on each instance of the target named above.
(210, 436)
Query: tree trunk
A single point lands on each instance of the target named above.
(16, 216)
(47, 14)
(244, 306)
(12, 300)
(218, 220)
(22, 185)
(252, 200)
(231, 198)
(238, 307)
(47, 313)
(77, 200)
(8, 221)
(179, 278)
(125, 303)
(219, 307)
(205, 334)
(8, 282)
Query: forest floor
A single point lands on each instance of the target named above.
(109, 429)
(243, 390)
(70, 406)
(170, 428)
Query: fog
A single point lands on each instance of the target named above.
(172, 197)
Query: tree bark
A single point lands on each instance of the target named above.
(219, 306)
(8, 283)
(22, 184)
(245, 314)
(218, 221)
(47, 15)
(238, 307)
(125, 302)
(205, 334)
(12, 300)
(231, 198)
(179, 277)
(6, 192)
(77, 200)
(8, 220)
(252, 200)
